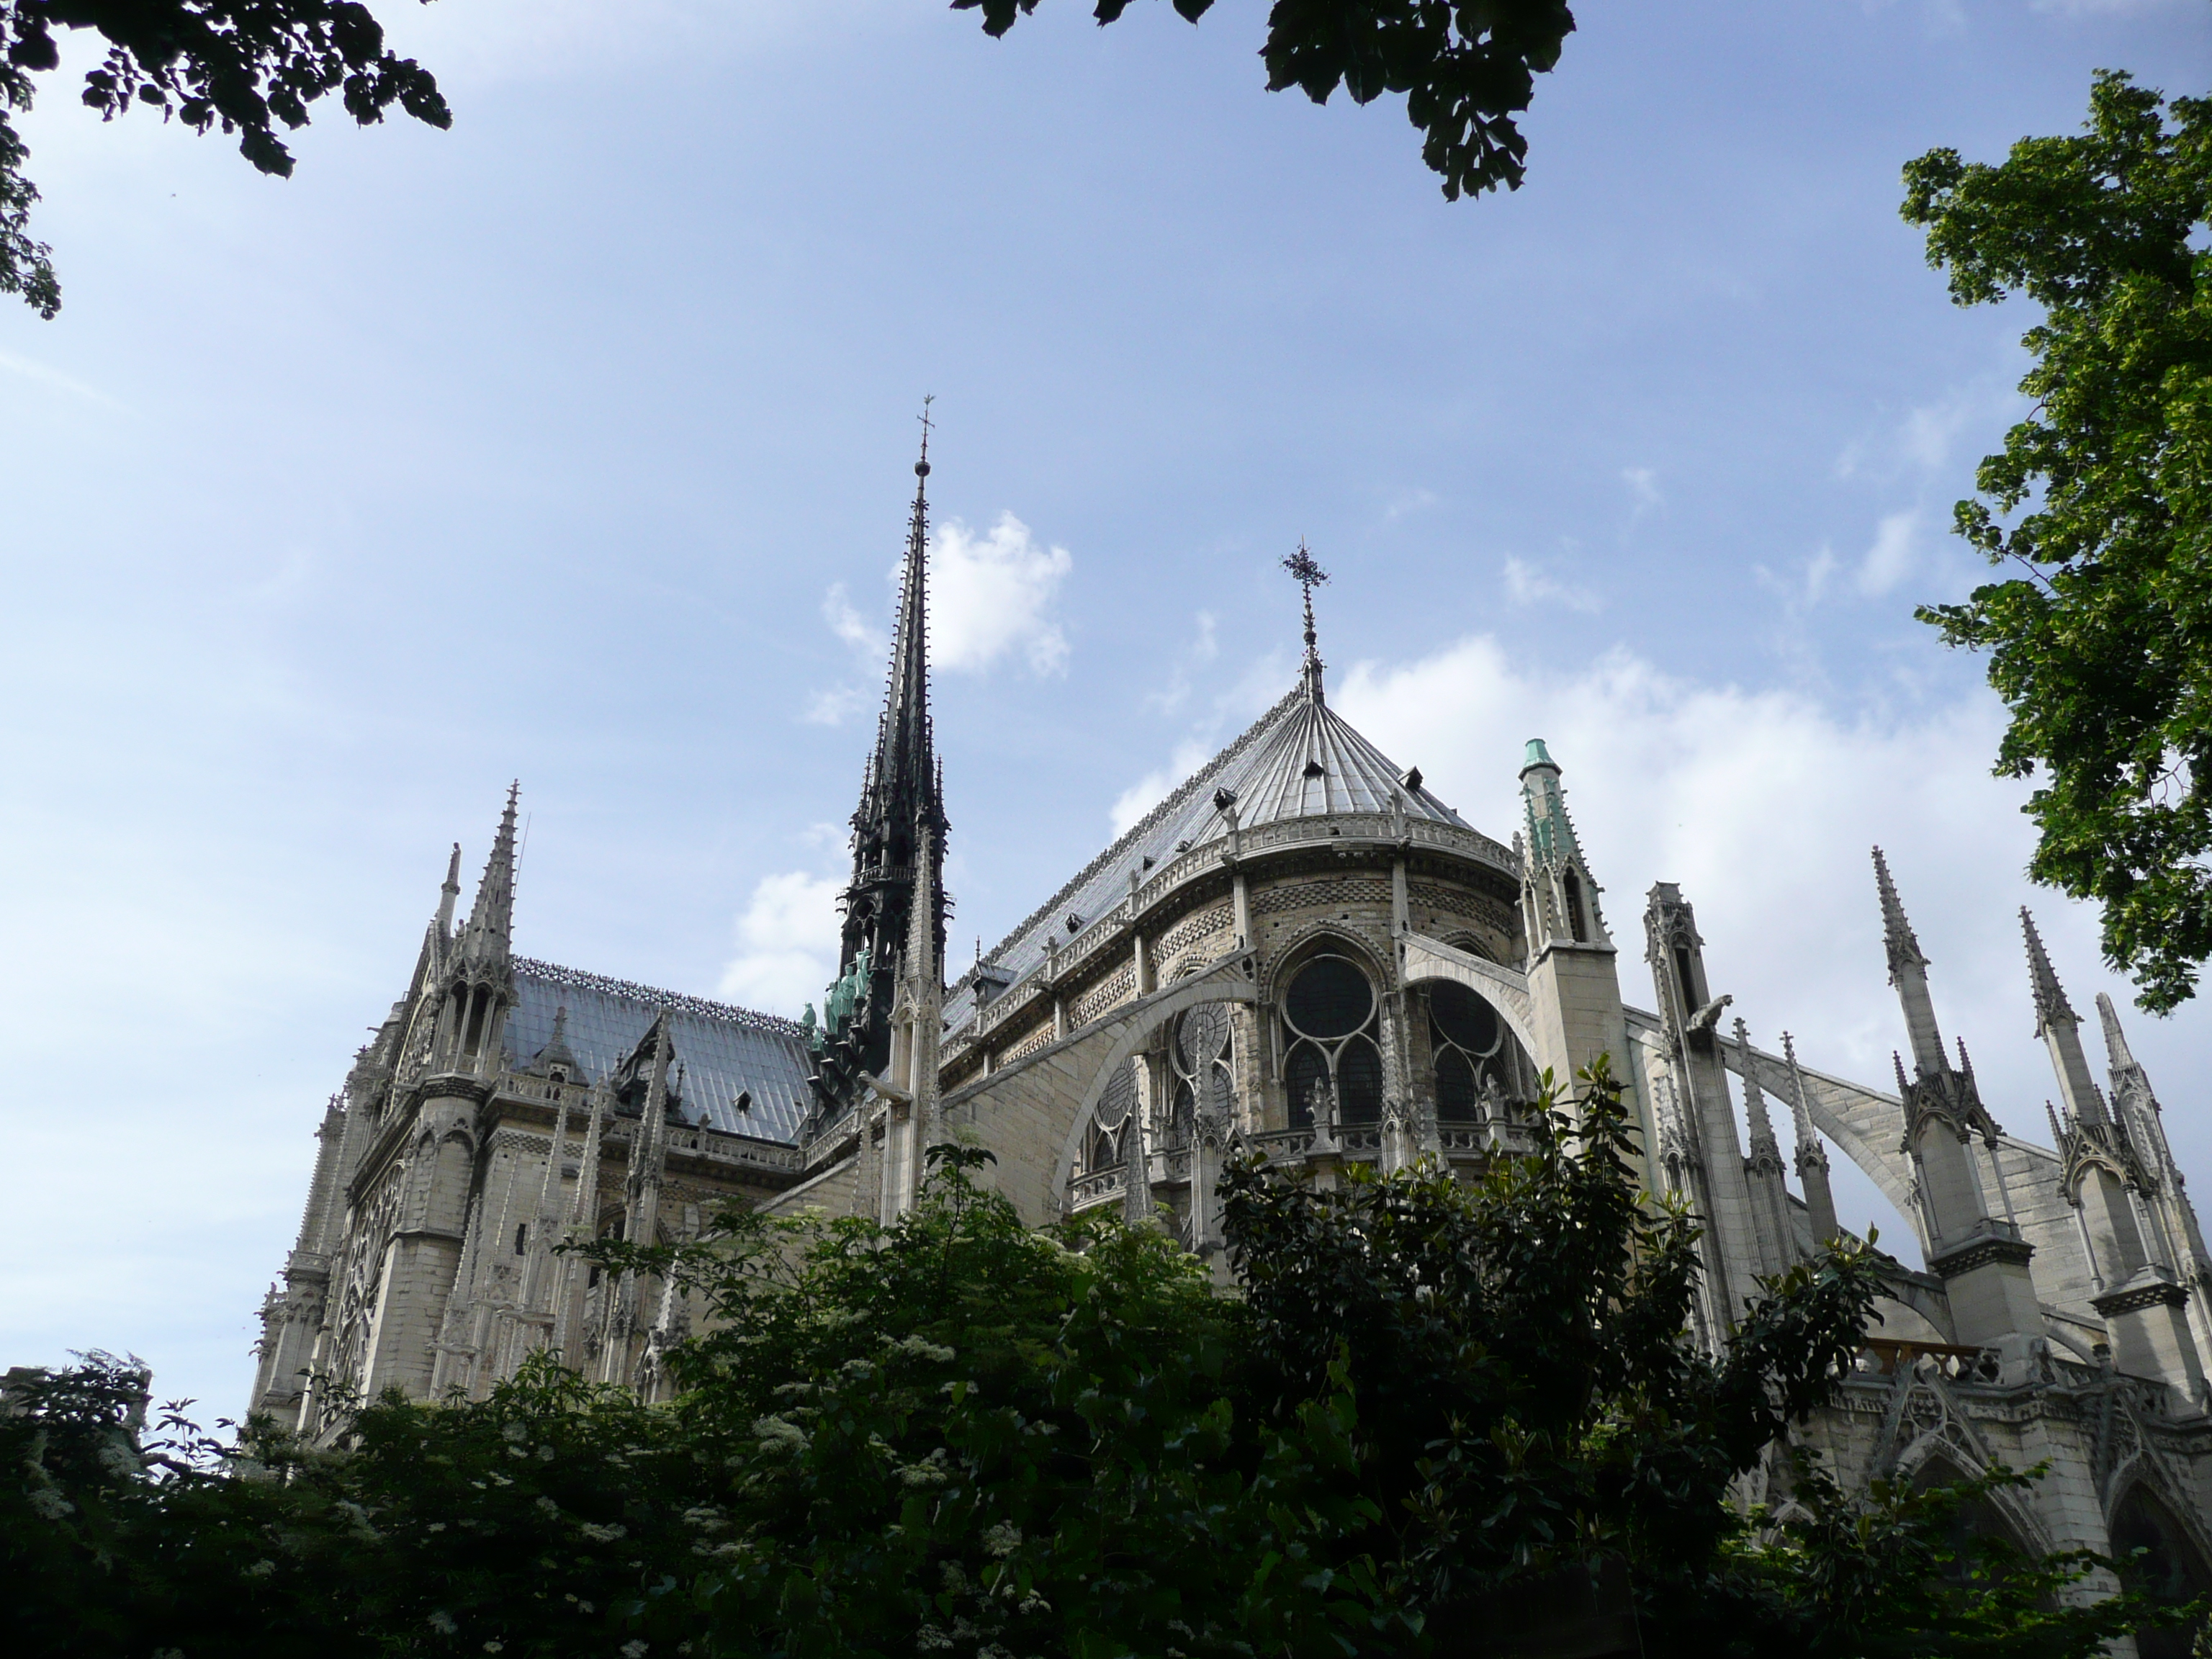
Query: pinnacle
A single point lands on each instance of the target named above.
(491, 919)
(1897, 935)
(2050, 1004)
(1754, 1102)
(2116, 1041)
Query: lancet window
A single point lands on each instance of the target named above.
(1103, 1146)
(1332, 1064)
(1478, 1065)
(1202, 1058)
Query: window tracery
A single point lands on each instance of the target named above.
(1201, 1057)
(1332, 1062)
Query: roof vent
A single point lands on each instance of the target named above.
(1182, 845)
(1413, 779)
(1315, 769)
(1148, 860)
(1074, 922)
(1223, 799)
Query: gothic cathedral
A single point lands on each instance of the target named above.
(1302, 954)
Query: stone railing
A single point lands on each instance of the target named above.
(1086, 1191)
(1110, 927)
(1882, 1356)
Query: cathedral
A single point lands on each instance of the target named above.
(1301, 954)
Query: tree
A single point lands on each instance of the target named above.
(2100, 502)
(1467, 67)
(244, 65)
(956, 1435)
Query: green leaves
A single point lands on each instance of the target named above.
(2100, 503)
(956, 1436)
(1466, 67)
(246, 65)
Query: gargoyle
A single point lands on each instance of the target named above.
(1702, 1022)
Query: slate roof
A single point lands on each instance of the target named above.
(1299, 759)
(725, 1051)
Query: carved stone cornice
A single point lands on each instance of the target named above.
(1981, 1249)
(2134, 1297)
(449, 1086)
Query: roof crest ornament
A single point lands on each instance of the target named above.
(1306, 571)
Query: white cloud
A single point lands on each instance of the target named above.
(992, 595)
(1763, 806)
(834, 707)
(1149, 791)
(1204, 648)
(1889, 561)
(787, 944)
(850, 626)
(1643, 483)
(1925, 440)
(1405, 502)
(31, 370)
(1527, 583)
(1804, 588)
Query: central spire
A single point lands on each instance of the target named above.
(898, 827)
(1306, 571)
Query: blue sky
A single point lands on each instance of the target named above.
(574, 444)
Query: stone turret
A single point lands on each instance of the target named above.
(1573, 981)
(419, 1338)
(2142, 1302)
(1719, 1180)
(1980, 1256)
(1560, 897)
(1763, 1170)
(1812, 1158)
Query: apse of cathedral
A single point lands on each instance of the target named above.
(1303, 955)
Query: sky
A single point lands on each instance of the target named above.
(574, 445)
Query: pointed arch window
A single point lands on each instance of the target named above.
(1331, 1056)
(2169, 1567)
(1202, 1058)
(1573, 883)
(1104, 1143)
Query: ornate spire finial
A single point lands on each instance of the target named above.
(1754, 1100)
(2050, 1004)
(1896, 931)
(1306, 571)
(449, 892)
(1810, 1153)
(921, 466)
(491, 921)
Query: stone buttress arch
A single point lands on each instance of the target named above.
(1043, 1102)
(1420, 959)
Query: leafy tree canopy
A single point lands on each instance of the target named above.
(1467, 67)
(2100, 505)
(954, 1435)
(244, 65)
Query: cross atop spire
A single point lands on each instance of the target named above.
(1306, 571)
